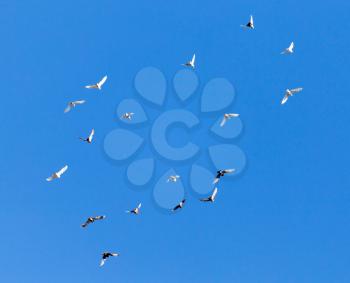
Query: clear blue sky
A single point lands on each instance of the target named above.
(286, 219)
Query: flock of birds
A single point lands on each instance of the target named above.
(173, 178)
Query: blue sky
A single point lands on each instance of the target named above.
(285, 219)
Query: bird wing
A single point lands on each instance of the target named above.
(176, 207)
(91, 86)
(193, 59)
(101, 82)
(139, 206)
(49, 179)
(233, 115)
(99, 217)
(215, 192)
(79, 102)
(295, 90)
(223, 122)
(204, 199)
(64, 169)
(216, 180)
(68, 108)
(229, 170)
(91, 134)
(86, 223)
(291, 46)
(102, 262)
(251, 20)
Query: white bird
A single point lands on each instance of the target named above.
(99, 84)
(289, 50)
(136, 210)
(72, 104)
(58, 174)
(90, 137)
(250, 24)
(228, 116)
(92, 220)
(180, 205)
(190, 63)
(127, 115)
(290, 92)
(105, 256)
(173, 178)
(212, 197)
(222, 173)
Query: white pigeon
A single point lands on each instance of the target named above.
(58, 174)
(99, 84)
(212, 197)
(173, 178)
(105, 256)
(250, 24)
(179, 205)
(290, 92)
(136, 210)
(127, 115)
(72, 104)
(228, 116)
(190, 63)
(222, 173)
(289, 50)
(90, 137)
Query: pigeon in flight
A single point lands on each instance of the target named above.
(173, 178)
(180, 205)
(250, 24)
(58, 174)
(190, 63)
(72, 104)
(212, 197)
(92, 220)
(105, 256)
(289, 50)
(228, 116)
(89, 138)
(136, 210)
(99, 84)
(290, 92)
(222, 173)
(127, 116)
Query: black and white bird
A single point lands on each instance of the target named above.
(222, 173)
(212, 197)
(289, 50)
(191, 63)
(173, 178)
(180, 205)
(227, 117)
(92, 220)
(58, 174)
(90, 137)
(99, 84)
(105, 256)
(290, 92)
(72, 105)
(127, 115)
(250, 24)
(136, 210)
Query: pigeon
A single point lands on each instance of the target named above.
(136, 210)
(250, 24)
(180, 205)
(92, 220)
(173, 178)
(58, 174)
(290, 92)
(99, 84)
(72, 104)
(289, 50)
(212, 197)
(228, 116)
(89, 138)
(105, 256)
(127, 115)
(190, 63)
(222, 173)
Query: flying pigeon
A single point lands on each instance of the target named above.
(127, 115)
(92, 220)
(136, 210)
(105, 256)
(290, 92)
(212, 197)
(58, 174)
(180, 205)
(190, 63)
(173, 178)
(250, 24)
(222, 173)
(289, 50)
(72, 104)
(99, 84)
(89, 138)
(228, 116)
